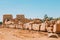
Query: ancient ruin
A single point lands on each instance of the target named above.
(18, 22)
(32, 24)
(21, 22)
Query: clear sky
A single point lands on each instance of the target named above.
(30, 8)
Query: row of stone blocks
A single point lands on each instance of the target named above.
(25, 26)
(56, 27)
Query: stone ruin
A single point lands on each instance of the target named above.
(7, 17)
(36, 24)
(23, 23)
(9, 21)
(56, 28)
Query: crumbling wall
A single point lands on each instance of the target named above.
(7, 17)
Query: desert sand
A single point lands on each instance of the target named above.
(19, 34)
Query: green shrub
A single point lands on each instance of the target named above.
(0, 22)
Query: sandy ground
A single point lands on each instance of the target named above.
(19, 34)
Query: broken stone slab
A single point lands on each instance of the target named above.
(49, 29)
(36, 27)
(56, 28)
(27, 26)
(19, 26)
(53, 35)
(11, 26)
(43, 27)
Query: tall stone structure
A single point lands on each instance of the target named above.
(18, 22)
(7, 17)
(21, 18)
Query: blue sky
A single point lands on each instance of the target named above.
(30, 8)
